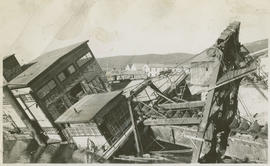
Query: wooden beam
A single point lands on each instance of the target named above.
(152, 109)
(33, 127)
(190, 104)
(172, 121)
(135, 130)
(206, 115)
(234, 74)
(160, 94)
(173, 151)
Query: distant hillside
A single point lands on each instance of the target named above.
(122, 61)
(257, 45)
(173, 58)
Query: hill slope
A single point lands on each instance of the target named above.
(122, 61)
(172, 58)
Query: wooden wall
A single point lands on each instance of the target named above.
(201, 72)
(58, 100)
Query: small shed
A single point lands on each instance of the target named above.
(101, 118)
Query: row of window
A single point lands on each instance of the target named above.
(46, 89)
(83, 131)
(117, 120)
(63, 75)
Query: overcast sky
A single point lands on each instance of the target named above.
(125, 27)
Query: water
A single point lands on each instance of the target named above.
(28, 151)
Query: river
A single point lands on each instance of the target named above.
(28, 151)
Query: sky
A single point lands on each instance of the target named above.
(29, 28)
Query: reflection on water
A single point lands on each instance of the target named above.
(28, 151)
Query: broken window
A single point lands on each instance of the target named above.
(71, 69)
(66, 73)
(27, 98)
(61, 76)
(46, 89)
(84, 59)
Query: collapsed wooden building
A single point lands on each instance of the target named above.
(52, 83)
(102, 119)
(211, 126)
(200, 113)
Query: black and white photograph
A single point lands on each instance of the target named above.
(134, 81)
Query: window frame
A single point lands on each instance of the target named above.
(66, 72)
(46, 86)
(88, 56)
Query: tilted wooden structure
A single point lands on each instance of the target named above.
(209, 132)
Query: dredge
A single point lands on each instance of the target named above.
(196, 109)
(203, 115)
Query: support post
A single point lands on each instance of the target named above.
(135, 130)
(35, 129)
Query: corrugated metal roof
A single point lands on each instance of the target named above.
(41, 63)
(87, 108)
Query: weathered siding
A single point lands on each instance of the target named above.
(201, 72)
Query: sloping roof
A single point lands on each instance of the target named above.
(41, 63)
(87, 108)
(206, 55)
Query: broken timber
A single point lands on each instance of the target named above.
(172, 121)
(191, 104)
(229, 46)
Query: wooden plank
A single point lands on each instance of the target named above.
(31, 125)
(232, 75)
(152, 109)
(172, 121)
(173, 151)
(191, 104)
(206, 115)
(135, 130)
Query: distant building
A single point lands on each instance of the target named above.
(55, 81)
(135, 67)
(125, 75)
(154, 70)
